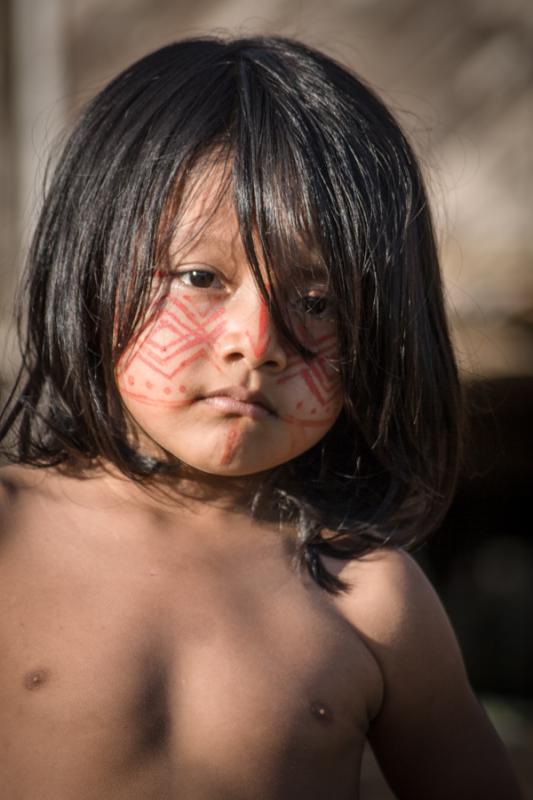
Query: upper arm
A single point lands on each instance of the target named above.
(431, 735)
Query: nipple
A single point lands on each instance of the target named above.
(36, 678)
(321, 712)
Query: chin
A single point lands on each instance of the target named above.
(233, 470)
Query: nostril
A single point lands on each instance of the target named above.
(233, 356)
(257, 345)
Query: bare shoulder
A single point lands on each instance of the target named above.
(17, 477)
(398, 613)
(15, 491)
(25, 493)
(428, 706)
(391, 600)
(20, 484)
(15, 481)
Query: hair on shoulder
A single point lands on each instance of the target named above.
(313, 158)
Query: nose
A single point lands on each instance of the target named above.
(249, 333)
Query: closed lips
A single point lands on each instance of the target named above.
(239, 399)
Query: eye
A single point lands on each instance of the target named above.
(315, 305)
(199, 279)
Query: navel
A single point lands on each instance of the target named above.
(35, 679)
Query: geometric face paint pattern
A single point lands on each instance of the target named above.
(321, 379)
(186, 331)
(212, 339)
(183, 333)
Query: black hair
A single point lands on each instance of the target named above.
(314, 157)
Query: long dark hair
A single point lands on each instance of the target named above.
(315, 158)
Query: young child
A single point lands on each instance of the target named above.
(238, 404)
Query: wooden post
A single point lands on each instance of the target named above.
(39, 100)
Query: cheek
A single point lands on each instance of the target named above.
(313, 388)
(157, 368)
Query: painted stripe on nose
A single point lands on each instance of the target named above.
(260, 343)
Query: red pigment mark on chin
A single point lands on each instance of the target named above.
(149, 385)
(167, 390)
(230, 446)
(183, 388)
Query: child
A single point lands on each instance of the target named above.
(238, 403)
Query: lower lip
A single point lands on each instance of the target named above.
(228, 405)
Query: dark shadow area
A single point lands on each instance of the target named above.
(481, 560)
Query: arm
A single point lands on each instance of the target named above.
(431, 736)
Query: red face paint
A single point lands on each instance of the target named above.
(261, 341)
(232, 441)
(214, 331)
(319, 403)
(183, 334)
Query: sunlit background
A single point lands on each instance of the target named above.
(459, 75)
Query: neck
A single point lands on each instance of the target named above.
(191, 491)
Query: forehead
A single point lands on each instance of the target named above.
(207, 222)
(207, 218)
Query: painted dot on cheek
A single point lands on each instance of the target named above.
(149, 385)
(313, 411)
(167, 390)
(183, 388)
(299, 405)
(131, 380)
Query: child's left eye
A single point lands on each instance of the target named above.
(315, 305)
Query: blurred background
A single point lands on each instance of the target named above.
(459, 75)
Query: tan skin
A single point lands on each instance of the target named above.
(160, 648)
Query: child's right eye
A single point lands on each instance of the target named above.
(199, 279)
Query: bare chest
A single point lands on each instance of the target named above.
(155, 682)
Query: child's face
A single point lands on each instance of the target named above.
(210, 380)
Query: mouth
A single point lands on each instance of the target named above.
(238, 401)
